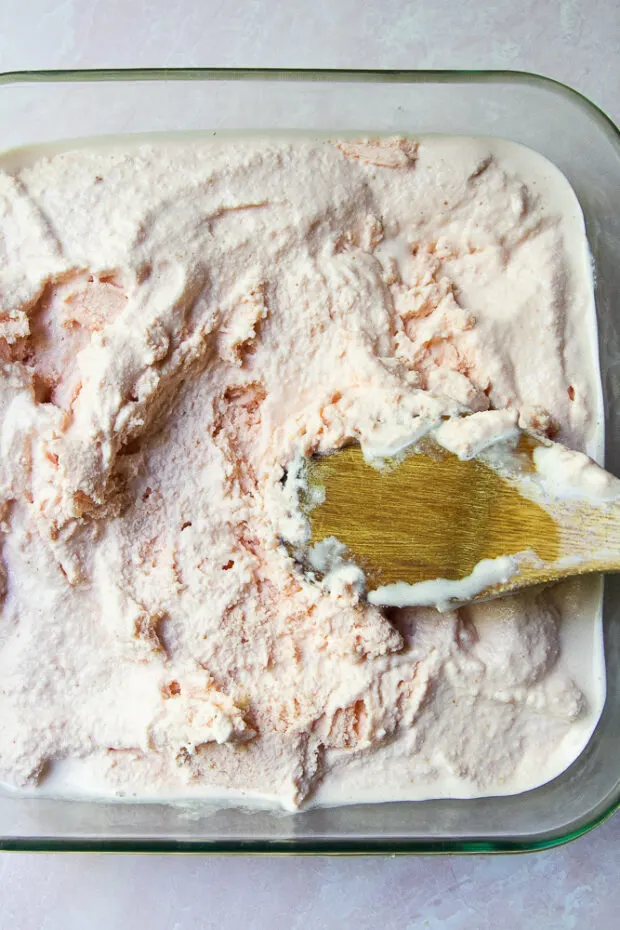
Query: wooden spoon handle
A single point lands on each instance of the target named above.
(534, 514)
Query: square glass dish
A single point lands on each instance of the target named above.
(585, 145)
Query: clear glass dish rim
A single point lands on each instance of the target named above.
(300, 846)
(341, 75)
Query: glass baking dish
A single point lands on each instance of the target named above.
(585, 145)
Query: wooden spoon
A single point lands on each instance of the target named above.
(470, 529)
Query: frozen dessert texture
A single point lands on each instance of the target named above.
(178, 322)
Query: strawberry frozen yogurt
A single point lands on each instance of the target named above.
(179, 321)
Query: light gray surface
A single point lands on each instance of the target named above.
(572, 887)
(572, 40)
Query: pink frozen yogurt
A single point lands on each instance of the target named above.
(179, 321)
